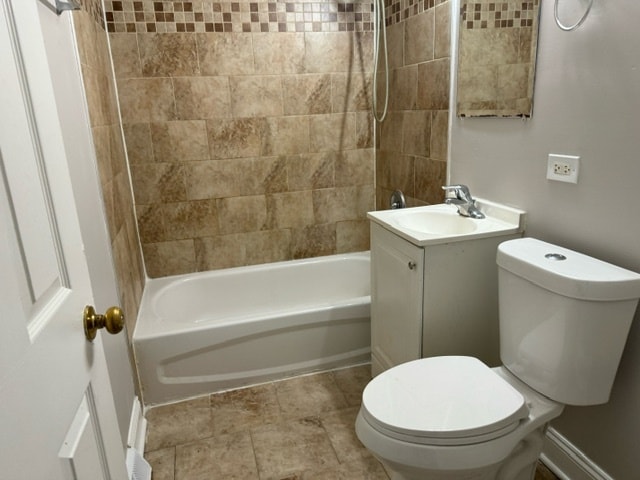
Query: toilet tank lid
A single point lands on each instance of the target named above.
(566, 272)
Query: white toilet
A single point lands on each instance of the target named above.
(564, 320)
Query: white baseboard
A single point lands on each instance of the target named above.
(567, 461)
(137, 427)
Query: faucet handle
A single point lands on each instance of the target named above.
(460, 191)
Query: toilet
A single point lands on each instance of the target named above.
(564, 320)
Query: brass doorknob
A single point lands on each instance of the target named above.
(112, 320)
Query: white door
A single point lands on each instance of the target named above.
(57, 415)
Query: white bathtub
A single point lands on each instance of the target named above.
(212, 331)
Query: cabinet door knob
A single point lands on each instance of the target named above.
(412, 265)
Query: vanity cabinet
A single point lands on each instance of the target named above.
(435, 299)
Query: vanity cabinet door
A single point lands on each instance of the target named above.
(397, 273)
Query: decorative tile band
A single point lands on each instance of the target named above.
(239, 16)
(397, 11)
(483, 14)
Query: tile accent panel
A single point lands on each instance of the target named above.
(496, 61)
(249, 146)
(110, 156)
(491, 14)
(411, 154)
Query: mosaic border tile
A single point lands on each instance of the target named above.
(238, 16)
(397, 11)
(490, 14)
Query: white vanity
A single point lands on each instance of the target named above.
(434, 282)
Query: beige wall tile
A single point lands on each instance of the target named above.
(190, 219)
(138, 140)
(126, 58)
(419, 36)
(404, 85)
(290, 209)
(364, 129)
(96, 88)
(416, 133)
(332, 205)
(328, 52)
(513, 81)
(151, 223)
(354, 167)
(391, 132)
(102, 144)
(269, 174)
(242, 214)
(351, 92)
(402, 174)
(256, 96)
(307, 94)
(225, 53)
(179, 141)
(236, 138)
(286, 135)
(218, 179)
(169, 258)
(430, 176)
(495, 46)
(279, 54)
(332, 133)
(158, 182)
(313, 241)
(168, 54)
(267, 246)
(310, 171)
(221, 251)
(478, 84)
(352, 236)
(440, 135)
(146, 100)
(199, 98)
(395, 45)
(442, 46)
(433, 85)
(363, 51)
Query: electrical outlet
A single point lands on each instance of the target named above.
(563, 168)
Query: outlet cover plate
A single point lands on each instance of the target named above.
(563, 168)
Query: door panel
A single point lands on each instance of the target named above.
(48, 368)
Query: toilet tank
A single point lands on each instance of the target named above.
(564, 319)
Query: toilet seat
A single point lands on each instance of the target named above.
(451, 400)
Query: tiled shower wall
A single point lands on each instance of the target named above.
(412, 147)
(110, 156)
(248, 128)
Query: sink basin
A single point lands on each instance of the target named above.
(441, 223)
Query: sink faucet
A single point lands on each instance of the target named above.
(463, 200)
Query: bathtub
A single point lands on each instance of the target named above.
(212, 331)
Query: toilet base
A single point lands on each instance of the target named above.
(519, 465)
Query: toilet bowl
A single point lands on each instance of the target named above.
(454, 417)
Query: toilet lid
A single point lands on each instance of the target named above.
(443, 400)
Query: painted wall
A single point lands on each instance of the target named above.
(586, 103)
(411, 143)
(247, 126)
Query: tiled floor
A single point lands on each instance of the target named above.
(296, 429)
